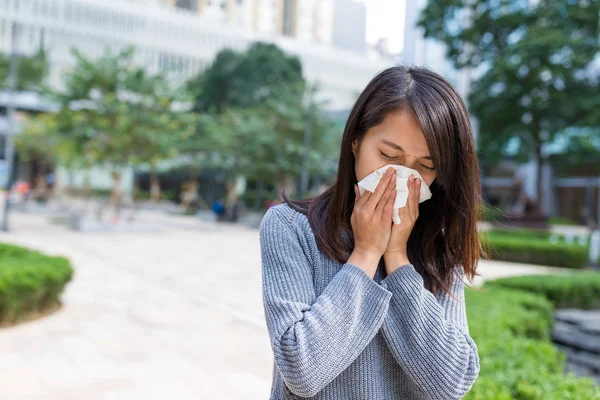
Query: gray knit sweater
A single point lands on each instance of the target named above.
(338, 334)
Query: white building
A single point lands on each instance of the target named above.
(176, 42)
(350, 25)
(428, 52)
(307, 20)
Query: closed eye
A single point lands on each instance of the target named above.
(391, 158)
(386, 156)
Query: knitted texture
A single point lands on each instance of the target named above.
(338, 334)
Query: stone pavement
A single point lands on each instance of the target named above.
(171, 314)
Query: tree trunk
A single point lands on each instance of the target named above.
(231, 199)
(87, 191)
(154, 188)
(538, 184)
(116, 195)
(258, 194)
(189, 195)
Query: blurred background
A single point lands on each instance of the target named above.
(142, 141)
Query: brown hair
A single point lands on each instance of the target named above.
(445, 234)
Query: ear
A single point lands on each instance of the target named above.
(354, 147)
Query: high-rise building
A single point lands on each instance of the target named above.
(350, 25)
(175, 39)
(306, 20)
(430, 53)
(178, 43)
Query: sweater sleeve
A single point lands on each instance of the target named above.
(429, 335)
(313, 338)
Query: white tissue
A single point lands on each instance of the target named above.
(402, 174)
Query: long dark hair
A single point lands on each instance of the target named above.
(445, 234)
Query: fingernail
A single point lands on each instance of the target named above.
(417, 182)
(390, 171)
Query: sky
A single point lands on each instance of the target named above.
(385, 18)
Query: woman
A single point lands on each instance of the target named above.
(358, 307)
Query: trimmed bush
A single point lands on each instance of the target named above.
(518, 361)
(30, 281)
(521, 233)
(562, 221)
(519, 247)
(577, 290)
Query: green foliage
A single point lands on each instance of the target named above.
(562, 221)
(533, 247)
(532, 57)
(29, 281)
(579, 290)
(246, 80)
(267, 142)
(255, 115)
(518, 362)
(113, 113)
(581, 149)
(31, 71)
(521, 233)
(39, 141)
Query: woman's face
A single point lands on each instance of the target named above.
(397, 140)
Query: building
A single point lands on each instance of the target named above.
(176, 38)
(429, 53)
(350, 25)
(306, 20)
(176, 42)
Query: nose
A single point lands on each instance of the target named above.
(408, 161)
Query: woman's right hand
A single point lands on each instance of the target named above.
(371, 222)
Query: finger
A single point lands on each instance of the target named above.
(380, 190)
(414, 194)
(363, 198)
(403, 214)
(386, 195)
(388, 208)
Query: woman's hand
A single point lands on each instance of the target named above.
(396, 253)
(371, 223)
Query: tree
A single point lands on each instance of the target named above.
(266, 143)
(114, 114)
(238, 80)
(31, 71)
(254, 117)
(536, 57)
(580, 151)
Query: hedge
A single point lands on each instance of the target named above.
(562, 221)
(578, 290)
(518, 361)
(522, 233)
(525, 247)
(30, 282)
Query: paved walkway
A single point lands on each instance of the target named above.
(175, 314)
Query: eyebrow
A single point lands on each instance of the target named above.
(395, 146)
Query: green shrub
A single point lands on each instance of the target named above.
(518, 361)
(562, 221)
(29, 281)
(521, 233)
(534, 250)
(578, 290)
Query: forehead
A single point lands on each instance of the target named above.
(402, 128)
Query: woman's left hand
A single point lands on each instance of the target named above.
(396, 254)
